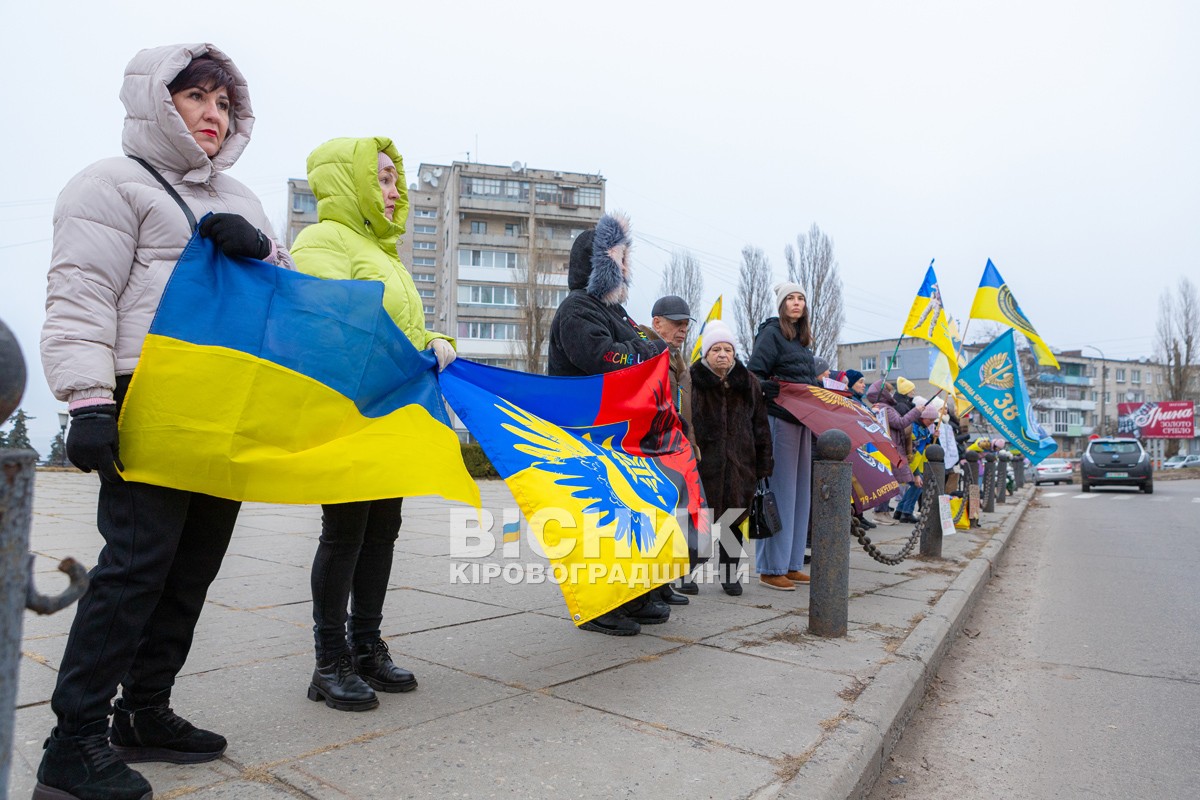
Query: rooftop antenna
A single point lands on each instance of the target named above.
(517, 166)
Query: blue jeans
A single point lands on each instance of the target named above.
(908, 500)
(792, 483)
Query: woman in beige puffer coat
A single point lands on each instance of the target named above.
(118, 232)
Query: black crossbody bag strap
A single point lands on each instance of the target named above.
(187, 212)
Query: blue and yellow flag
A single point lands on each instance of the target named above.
(994, 384)
(257, 383)
(927, 319)
(600, 468)
(995, 301)
(713, 313)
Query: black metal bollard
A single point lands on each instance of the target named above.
(971, 487)
(988, 495)
(1002, 461)
(934, 481)
(1018, 472)
(829, 589)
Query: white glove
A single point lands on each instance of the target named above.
(443, 351)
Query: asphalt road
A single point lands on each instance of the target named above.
(1078, 675)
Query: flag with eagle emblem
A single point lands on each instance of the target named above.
(600, 468)
(994, 384)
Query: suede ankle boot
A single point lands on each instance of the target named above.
(84, 767)
(149, 730)
(336, 683)
(374, 664)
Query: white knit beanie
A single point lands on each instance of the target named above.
(716, 331)
(785, 288)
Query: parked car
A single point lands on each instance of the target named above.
(1116, 462)
(1053, 470)
(1181, 461)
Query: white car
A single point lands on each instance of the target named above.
(1053, 470)
(1181, 461)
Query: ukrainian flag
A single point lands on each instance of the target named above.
(257, 383)
(927, 319)
(995, 301)
(598, 465)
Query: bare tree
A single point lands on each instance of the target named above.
(755, 300)
(682, 277)
(812, 265)
(535, 299)
(1177, 339)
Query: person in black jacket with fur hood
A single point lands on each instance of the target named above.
(592, 334)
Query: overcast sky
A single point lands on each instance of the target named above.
(1058, 139)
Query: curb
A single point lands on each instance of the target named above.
(849, 760)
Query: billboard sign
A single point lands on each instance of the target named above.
(1166, 419)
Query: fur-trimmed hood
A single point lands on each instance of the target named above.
(878, 393)
(601, 260)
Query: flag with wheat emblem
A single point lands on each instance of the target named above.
(994, 384)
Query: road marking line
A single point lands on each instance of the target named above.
(1085, 497)
(1060, 494)
(1196, 499)
(1122, 497)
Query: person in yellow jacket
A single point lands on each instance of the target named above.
(361, 206)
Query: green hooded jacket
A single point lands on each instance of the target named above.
(354, 240)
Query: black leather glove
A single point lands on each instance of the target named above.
(92, 440)
(770, 389)
(235, 236)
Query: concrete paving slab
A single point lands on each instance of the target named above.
(527, 650)
(736, 699)
(531, 746)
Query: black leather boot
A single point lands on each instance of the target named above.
(148, 730)
(339, 686)
(85, 767)
(668, 595)
(646, 610)
(374, 664)
(614, 623)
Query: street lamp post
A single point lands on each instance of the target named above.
(63, 416)
(1103, 389)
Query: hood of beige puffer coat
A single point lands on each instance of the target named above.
(154, 130)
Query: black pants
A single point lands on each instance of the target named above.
(727, 563)
(134, 625)
(353, 563)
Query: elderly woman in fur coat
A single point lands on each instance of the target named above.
(730, 428)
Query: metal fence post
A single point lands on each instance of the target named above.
(829, 588)
(934, 482)
(1002, 461)
(988, 495)
(1019, 472)
(971, 487)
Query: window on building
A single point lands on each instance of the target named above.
(588, 196)
(426, 294)
(488, 295)
(425, 229)
(428, 309)
(424, 261)
(547, 193)
(1135, 376)
(424, 245)
(423, 277)
(489, 258)
(495, 188)
(1062, 421)
(505, 331)
(425, 213)
(866, 364)
(512, 229)
(1058, 391)
(1158, 378)
(1120, 374)
(304, 203)
(1108, 397)
(1094, 398)
(478, 226)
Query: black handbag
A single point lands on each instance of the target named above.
(764, 520)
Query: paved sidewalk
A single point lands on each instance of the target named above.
(732, 698)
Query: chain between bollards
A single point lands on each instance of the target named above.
(829, 586)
